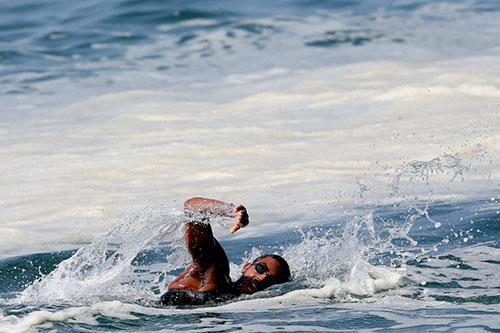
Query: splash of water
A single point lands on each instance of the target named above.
(367, 254)
(449, 166)
(360, 256)
(105, 269)
(337, 262)
(419, 171)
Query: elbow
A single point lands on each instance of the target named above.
(192, 204)
(189, 202)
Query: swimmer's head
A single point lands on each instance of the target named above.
(263, 272)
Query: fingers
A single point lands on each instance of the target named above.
(235, 228)
(240, 218)
(241, 215)
(239, 209)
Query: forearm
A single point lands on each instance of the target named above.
(203, 208)
(199, 205)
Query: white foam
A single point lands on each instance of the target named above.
(384, 279)
(390, 305)
(323, 160)
(290, 138)
(82, 314)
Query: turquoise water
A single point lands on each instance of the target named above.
(362, 136)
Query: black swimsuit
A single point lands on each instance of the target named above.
(177, 297)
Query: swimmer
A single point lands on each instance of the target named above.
(207, 278)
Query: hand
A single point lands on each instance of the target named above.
(240, 218)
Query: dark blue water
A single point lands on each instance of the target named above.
(47, 40)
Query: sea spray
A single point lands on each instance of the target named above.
(113, 265)
(339, 257)
(350, 260)
(119, 264)
(418, 177)
(421, 171)
(333, 263)
(366, 252)
(104, 269)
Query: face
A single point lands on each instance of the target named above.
(256, 275)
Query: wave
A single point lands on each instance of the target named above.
(401, 307)
(165, 39)
(123, 272)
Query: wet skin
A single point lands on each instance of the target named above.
(209, 270)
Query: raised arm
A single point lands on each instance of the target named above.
(204, 207)
(198, 234)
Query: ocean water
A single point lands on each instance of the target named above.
(362, 136)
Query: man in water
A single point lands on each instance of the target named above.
(207, 278)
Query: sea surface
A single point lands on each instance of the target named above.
(363, 136)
